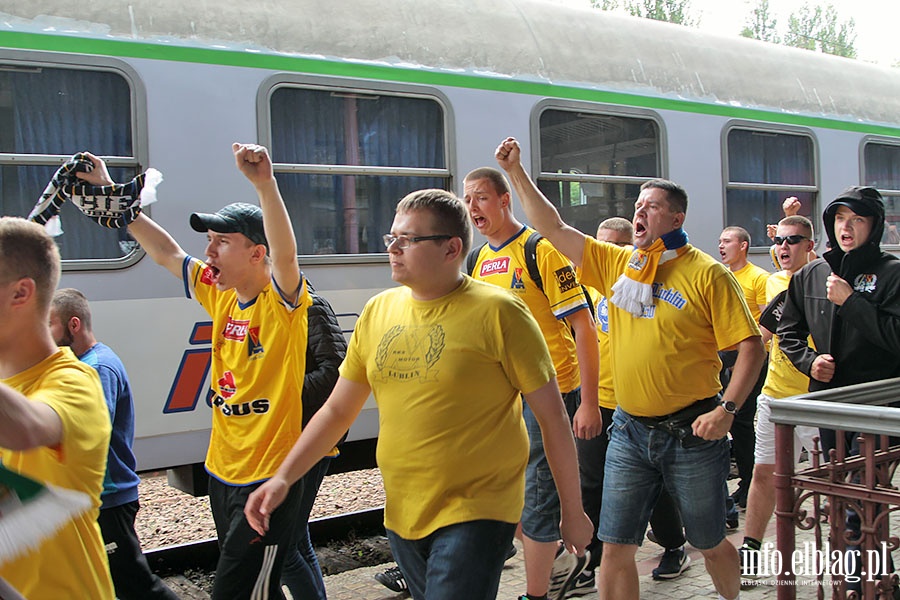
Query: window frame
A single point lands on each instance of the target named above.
(595, 109)
(364, 88)
(140, 151)
(788, 189)
(886, 193)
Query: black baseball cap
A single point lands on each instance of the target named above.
(238, 217)
(865, 201)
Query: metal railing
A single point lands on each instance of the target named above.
(847, 497)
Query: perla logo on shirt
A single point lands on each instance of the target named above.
(494, 266)
(865, 282)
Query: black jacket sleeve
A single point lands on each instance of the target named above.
(325, 350)
(793, 328)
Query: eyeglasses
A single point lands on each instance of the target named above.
(404, 242)
(790, 239)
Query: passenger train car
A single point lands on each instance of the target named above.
(361, 102)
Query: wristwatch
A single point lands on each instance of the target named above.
(729, 407)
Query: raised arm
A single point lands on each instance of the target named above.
(540, 212)
(155, 240)
(254, 162)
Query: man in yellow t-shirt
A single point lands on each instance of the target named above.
(562, 311)
(54, 425)
(252, 288)
(793, 247)
(734, 246)
(665, 521)
(446, 358)
(672, 307)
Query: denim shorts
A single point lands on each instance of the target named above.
(540, 517)
(640, 461)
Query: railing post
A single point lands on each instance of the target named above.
(784, 509)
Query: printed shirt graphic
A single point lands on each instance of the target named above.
(258, 362)
(753, 282)
(505, 267)
(74, 560)
(605, 393)
(782, 378)
(446, 375)
(667, 359)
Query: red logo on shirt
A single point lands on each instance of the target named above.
(494, 266)
(227, 387)
(207, 276)
(236, 330)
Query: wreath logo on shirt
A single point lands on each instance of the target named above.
(409, 353)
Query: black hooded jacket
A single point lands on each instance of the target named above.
(863, 335)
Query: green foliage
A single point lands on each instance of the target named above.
(761, 24)
(817, 28)
(672, 11)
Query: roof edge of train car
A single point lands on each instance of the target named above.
(522, 46)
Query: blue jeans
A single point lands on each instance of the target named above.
(463, 560)
(540, 517)
(301, 572)
(641, 461)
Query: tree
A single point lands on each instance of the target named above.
(672, 11)
(837, 38)
(818, 29)
(761, 24)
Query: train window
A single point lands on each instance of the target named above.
(47, 113)
(344, 159)
(592, 165)
(763, 168)
(881, 166)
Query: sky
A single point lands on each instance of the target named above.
(875, 21)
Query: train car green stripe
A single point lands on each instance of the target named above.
(362, 70)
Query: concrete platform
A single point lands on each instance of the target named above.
(360, 584)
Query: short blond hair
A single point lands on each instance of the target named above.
(27, 250)
(448, 213)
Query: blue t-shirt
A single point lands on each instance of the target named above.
(120, 485)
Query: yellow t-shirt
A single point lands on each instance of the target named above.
(505, 267)
(782, 378)
(753, 283)
(667, 359)
(446, 375)
(71, 564)
(258, 363)
(605, 393)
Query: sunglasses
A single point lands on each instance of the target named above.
(790, 239)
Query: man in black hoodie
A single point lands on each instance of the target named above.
(848, 301)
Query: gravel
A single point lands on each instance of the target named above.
(169, 516)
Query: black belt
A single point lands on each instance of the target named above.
(678, 424)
